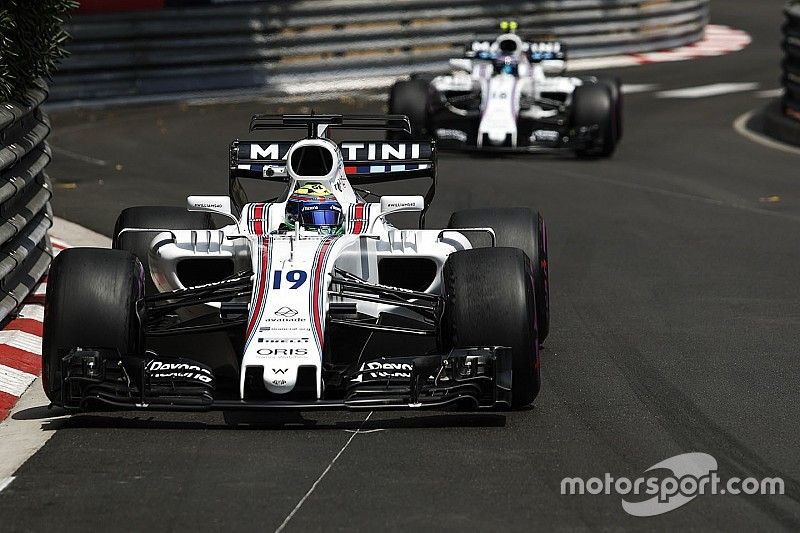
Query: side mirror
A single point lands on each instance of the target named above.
(398, 204)
(554, 67)
(219, 205)
(461, 64)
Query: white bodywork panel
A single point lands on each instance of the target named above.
(289, 302)
(502, 93)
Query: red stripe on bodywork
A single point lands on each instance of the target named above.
(358, 217)
(319, 281)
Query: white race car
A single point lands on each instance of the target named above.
(313, 300)
(513, 95)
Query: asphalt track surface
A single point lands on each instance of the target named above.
(676, 312)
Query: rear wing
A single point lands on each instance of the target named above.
(364, 161)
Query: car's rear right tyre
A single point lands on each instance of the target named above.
(489, 301)
(410, 98)
(517, 227)
(162, 217)
(592, 105)
(90, 303)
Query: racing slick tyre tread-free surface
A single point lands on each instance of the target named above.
(592, 104)
(518, 227)
(615, 88)
(410, 98)
(91, 302)
(489, 301)
(153, 217)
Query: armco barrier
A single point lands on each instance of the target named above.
(25, 192)
(244, 45)
(791, 64)
(783, 121)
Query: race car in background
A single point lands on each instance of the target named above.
(311, 300)
(511, 94)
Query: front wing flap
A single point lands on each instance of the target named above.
(471, 377)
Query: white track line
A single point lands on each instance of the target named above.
(771, 93)
(5, 482)
(634, 88)
(79, 157)
(740, 125)
(21, 438)
(322, 475)
(75, 235)
(14, 382)
(22, 340)
(704, 91)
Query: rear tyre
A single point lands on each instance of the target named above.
(153, 217)
(516, 227)
(614, 86)
(489, 301)
(410, 98)
(90, 303)
(592, 105)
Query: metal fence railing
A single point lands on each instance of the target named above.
(25, 192)
(238, 46)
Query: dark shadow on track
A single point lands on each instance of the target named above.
(280, 421)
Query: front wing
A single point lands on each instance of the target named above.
(475, 377)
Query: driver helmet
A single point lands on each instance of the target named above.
(506, 65)
(315, 208)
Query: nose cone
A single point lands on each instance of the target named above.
(496, 136)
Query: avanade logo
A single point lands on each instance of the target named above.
(671, 483)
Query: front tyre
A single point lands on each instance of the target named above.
(517, 227)
(489, 301)
(90, 303)
(592, 106)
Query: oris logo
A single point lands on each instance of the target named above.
(282, 351)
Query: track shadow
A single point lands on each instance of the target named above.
(275, 421)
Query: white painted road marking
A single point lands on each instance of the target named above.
(633, 88)
(5, 482)
(22, 340)
(772, 93)
(322, 475)
(740, 125)
(704, 91)
(14, 382)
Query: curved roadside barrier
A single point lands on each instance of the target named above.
(782, 121)
(263, 44)
(25, 192)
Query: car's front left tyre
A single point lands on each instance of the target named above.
(489, 301)
(91, 301)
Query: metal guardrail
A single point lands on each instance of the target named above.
(791, 63)
(263, 44)
(25, 192)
